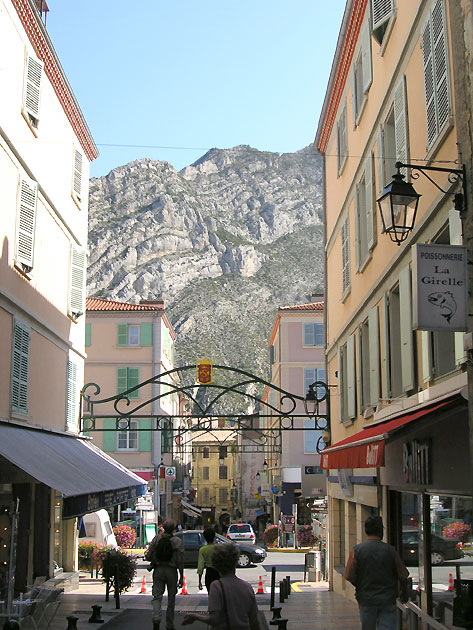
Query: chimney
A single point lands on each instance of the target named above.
(317, 297)
(158, 302)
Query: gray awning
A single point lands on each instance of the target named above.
(190, 509)
(87, 478)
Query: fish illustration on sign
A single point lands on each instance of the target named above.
(446, 302)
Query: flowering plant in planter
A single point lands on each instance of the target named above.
(305, 536)
(125, 535)
(117, 562)
(271, 535)
(459, 530)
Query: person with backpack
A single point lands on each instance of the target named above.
(166, 554)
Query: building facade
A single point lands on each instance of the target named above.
(45, 151)
(398, 386)
(297, 359)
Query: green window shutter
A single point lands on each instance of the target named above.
(133, 379)
(122, 335)
(373, 325)
(88, 335)
(407, 337)
(19, 375)
(109, 437)
(351, 376)
(145, 436)
(122, 380)
(146, 334)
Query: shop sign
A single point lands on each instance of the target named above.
(170, 472)
(288, 523)
(416, 462)
(440, 287)
(313, 470)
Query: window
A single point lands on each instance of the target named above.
(19, 375)
(205, 495)
(77, 282)
(342, 142)
(364, 210)
(313, 334)
(222, 472)
(88, 335)
(128, 440)
(166, 437)
(345, 257)
(134, 335)
(311, 375)
(382, 15)
(362, 74)
(271, 355)
(206, 452)
(311, 436)
(436, 86)
(205, 473)
(26, 223)
(369, 358)
(347, 380)
(32, 91)
(222, 495)
(72, 410)
(127, 378)
(77, 176)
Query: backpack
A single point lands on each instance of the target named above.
(164, 549)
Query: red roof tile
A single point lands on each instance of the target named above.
(98, 304)
(313, 306)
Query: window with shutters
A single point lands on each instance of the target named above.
(134, 335)
(347, 381)
(19, 374)
(313, 334)
(311, 375)
(364, 357)
(32, 91)
(77, 176)
(205, 473)
(436, 79)
(392, 144)
(206, 452)
(222, 495)
(128, 440)
(222, 472)
(342, 142)
(26, 224)
(205, 495)
(365, 215)
(77, 282)
(72, 397)
(128, 377)
(345, 257)
(311, 436)
(362, 74)
(395, 365)
(382, 19)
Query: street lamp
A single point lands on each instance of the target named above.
(316, 394)
(399, 200)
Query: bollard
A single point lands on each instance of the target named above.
(276, 610)
(288, 585)
(72, 622)
(273, 587)
(96, 618)
(282, 624)
(11, 625)
(318, 565)
(281, 592)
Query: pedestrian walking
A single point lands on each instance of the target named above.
(166, 554)
(379, 576)
(232, 601)
(205, 560)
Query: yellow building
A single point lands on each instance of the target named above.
(397, 379)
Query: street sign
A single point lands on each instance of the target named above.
(288, 523)
(170, 472)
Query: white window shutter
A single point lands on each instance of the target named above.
(77, 281)
(386, 358)
(358, 209)
(427, 373)
(345, 256)
(382, 10)
(20, 361)
(26, 221)
(373, 325)
(455, 229)
(351, 376)
(400, 123)
(440, 63)
(340, 384)
(366, 56)
(407, 337)
(429, 85)
(369, 196)
(353, 96)
(380, 160)
(71, 397)
(77, 175)
(32, 88)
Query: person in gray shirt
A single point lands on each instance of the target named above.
(379, 576)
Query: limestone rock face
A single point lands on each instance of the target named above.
(224, 242)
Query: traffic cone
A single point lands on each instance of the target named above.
(184, 587)
(143, 585)
(260, 586)
(450, 582)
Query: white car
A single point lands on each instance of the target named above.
(241, 532)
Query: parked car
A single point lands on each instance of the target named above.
(193, 540)
(442, 548)
(241, 532)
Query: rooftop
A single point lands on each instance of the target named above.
(99, 304)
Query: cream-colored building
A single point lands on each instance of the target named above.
(129, 344)
(398, 411)
(46, 471)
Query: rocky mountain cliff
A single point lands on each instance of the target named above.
(224, 242)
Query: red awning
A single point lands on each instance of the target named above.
(147, 475)
(365, 449)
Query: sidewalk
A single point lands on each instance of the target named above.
(310, 605)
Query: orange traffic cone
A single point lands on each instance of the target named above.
(450, 582)
(143, 585)
(184, 587)
(260, 586)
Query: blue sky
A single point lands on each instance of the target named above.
(181, 73)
